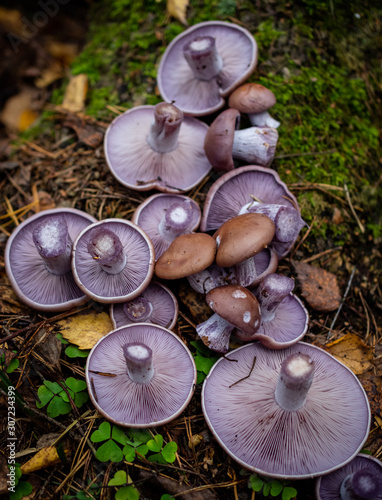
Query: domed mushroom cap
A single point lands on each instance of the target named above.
(163, 217)
(252, 98)
(229, 48)
(238, 188)
(27, 271)
(261, 436)
(242, 237)
(236, 305)
(156, 304)
(329, 487)
(113, 260)
(172, 163)
(188, 254)
(165, 392)
(218, 142)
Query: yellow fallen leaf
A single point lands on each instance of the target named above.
(85, 330)
(45, 457)
(75, 94)
(178, 9)
(352, 352)
(19, 113)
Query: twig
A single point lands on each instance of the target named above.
(321, 254)
(360, 225)
(341, 303)
(247, 376)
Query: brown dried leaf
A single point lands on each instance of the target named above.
(86, 133)
(48, 347)
(352, 352)
(9, 302)
(75, 94)
(178, 9)
(318, 287)
(85, 330)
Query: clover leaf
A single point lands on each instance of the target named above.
(288, 493)
(110, 449)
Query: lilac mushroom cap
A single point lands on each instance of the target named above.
(156, 304)
(150, 376)
(273, 422)
(38, 256)
(284, 319)
(239, 188)
(163, 217)
(113, 261)
(156, 147)
(204, 64)
(360, 479)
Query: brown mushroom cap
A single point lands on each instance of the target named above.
(235, 304)
(188, 254)
(241, 237)
(252, 98)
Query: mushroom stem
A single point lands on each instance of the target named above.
(271, 291)
(53, 243)
(105, 247)
(203, 57)
(164, 131)
(255, 145)
(176, 220)
(295, 379)
(364, 484)
(246, 272)
(215, 333)
(139, 362)
(211, 278)
(263, 119)
(287, 220)
(138, 310)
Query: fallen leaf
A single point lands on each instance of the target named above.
(50, 74)
(46, 457)
(352, 352)
(318, 287)
(178, 9)
(86, 133)
(9, 302)
(85, 330)
(75, 94)
(48, 347)
(19, 113)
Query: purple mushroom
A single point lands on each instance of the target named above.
(284, 319)
(113, 261)
(38, 257)
(234, 193)
(140, 375)
(156, 304)
(360, 479)
(294, 413)
(225, 142)
(163, 217)
(204, 64)
(156, 147)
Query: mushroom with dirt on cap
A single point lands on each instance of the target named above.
(255, 100)
(234, 307)
(293, 413)
(38, 259)
(204, 64)
(140, 375)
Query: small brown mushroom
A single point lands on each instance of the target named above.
(188, 254)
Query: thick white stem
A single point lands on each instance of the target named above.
(255, 145)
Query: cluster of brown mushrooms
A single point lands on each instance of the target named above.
(278, 406)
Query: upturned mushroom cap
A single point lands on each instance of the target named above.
(172, 161)
(99, 275)
(160, 307)
(152, 216)
(238, 402)
(329, 487)
(252, 98)
(27, 271)
(242, 237)
(236, 52)
(188, 254)
(238, 188)
(127, 402)
(236, 305)
(218, 142)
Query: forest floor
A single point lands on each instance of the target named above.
(323, 61)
